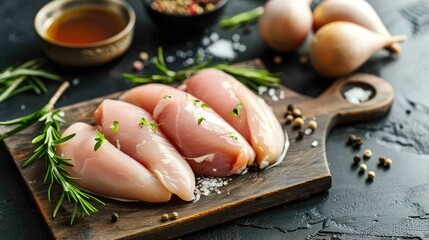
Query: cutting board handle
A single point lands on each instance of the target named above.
(334, 102)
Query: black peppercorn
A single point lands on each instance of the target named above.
(352, 138)
(115, 217)
(357, 158)
(300, 135)
(357, 143)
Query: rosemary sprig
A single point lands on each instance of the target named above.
(25, 77)
(250, 77)
(55, 170)
(241, 18)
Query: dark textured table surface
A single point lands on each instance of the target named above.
(395, 205)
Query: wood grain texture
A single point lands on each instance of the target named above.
(303, 172)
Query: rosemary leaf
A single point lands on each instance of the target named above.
(24, 77)
(56, 173)
(251, 77)
(241, 18)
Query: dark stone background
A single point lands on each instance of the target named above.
(395, 205)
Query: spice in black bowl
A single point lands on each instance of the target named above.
(184, 7)
(194, 14)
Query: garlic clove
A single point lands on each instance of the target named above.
(339, 48)
(357, 11)
(285, 24)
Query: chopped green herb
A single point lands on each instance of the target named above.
(205, 105)
(143, 122)
(114, 126)
(233, 136)
(167, 97)
(200, 120)
(196, 101)
(237, 110)
(99, 140)
(153, 125)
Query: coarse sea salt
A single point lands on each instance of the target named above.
(357, 95)
(308, 131)
(222, 49)
(205, 41)
(188, 62)
(236, 45)
(242, 48)
(214, 37)
(181, 54)
(207, 185)
(315, 143)
(170, 59)
(75, 81)
(262, 90)
(235, 37)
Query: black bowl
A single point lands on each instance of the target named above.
(176, 21)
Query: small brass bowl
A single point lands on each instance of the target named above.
(86, 55)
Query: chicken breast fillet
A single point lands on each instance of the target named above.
(255, 121)
(137, 135)
(210, 145)
(108, 171)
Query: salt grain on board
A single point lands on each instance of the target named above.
(207, 185)
(314, 143)
(308, 131)
(262, 90)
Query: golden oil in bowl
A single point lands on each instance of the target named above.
(85, 25)
(84, 33)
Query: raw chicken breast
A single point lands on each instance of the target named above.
(209, 144)
(108, 171)
(146, 145)
(256, 121)
(148, 96)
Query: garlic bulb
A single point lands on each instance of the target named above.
(285, 24)
(339, 48)
(356, 11)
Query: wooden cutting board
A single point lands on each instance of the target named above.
(303, 172)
